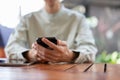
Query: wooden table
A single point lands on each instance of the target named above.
(62, 72)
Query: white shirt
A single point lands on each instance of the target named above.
(66, 25)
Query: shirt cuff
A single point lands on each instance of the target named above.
(25, 55)
(17, 56)
(76, 55)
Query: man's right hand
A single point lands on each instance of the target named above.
(33, 54)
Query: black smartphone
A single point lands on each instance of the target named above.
(52, 39)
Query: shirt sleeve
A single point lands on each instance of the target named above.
(85, 43)
(17, 42)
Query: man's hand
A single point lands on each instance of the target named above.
(33, 54)
(58, 53)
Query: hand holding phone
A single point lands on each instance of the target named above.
(52, 39)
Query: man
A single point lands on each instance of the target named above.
(75, 43)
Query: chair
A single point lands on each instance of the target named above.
(2, 55)
(4, 35)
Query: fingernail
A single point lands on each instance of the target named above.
(39, 59)
(43, 39)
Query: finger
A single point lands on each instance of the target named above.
(52, 58)
(50, 44)
(48, 58)
(52, 53)
(49, 52)
(39, 59)
(34, 45)
(62, 43)
(41, 48)
(41, 56)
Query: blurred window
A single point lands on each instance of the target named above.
(12, 10)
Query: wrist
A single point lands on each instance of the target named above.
(29, 55)
(74, 56)
(25, 55)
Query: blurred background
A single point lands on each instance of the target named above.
(102, 15)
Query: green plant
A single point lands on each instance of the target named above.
(104, 57)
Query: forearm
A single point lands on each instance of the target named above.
(85, 58)
(87, 54)
(15, 52)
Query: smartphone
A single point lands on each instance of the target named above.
(13, 63)
(52, 39)
(3, 60)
